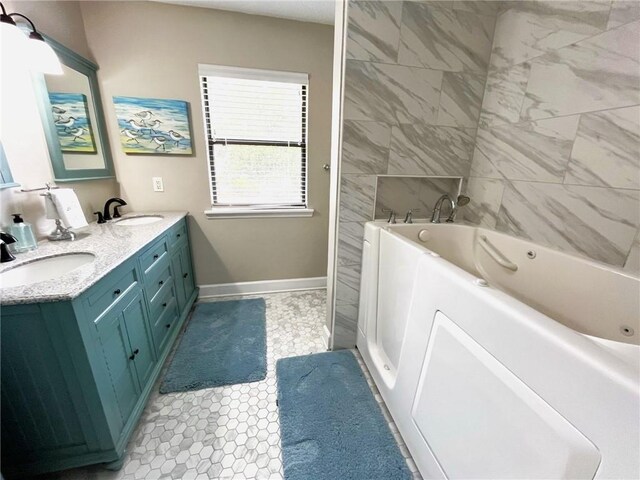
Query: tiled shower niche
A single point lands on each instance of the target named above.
(419, 194)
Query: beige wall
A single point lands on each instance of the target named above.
(152, 50)
(20, 127)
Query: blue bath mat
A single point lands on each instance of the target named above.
(331, 425)
(224, 344)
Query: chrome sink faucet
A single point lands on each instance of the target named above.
(61, 233)
(461, 201)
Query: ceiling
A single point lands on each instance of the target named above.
(316, 11)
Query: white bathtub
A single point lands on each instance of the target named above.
(500, 358)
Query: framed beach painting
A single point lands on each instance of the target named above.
(71, 119)
(153, 126)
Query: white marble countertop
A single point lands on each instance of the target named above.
(110, 243)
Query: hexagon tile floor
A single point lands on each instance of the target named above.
(227, 432)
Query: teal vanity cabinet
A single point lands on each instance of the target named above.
(76, 375)
(181, 262)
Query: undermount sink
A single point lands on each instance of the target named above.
(43, 269)
(138, 220)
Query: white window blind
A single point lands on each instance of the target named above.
(256, 127)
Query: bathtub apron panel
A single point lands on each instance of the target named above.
(481, 421)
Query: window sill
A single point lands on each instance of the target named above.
(229, 212)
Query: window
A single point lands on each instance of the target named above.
(256, 128)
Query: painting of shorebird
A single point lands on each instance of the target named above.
(71, 118)
(153, 126)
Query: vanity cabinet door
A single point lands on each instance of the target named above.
(116, 350)
(176, 267)
(127, 348)
(140, 342)
(188, 281)
(181, 266)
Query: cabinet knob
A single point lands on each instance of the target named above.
(160, 282)
(136, 351)
(168, 325)
(117, 292)
(156, 256)
(164, 305)
(133, 355)
(178, 235)
(185, 275)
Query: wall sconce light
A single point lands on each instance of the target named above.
(34, 50)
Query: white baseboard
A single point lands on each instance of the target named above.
(265, 286)
(325, 336)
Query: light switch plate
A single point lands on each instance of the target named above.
(158, 184)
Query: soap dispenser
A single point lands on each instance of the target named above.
(23, 232)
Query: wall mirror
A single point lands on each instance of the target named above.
(73, 119)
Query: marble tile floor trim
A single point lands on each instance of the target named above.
(230, 432)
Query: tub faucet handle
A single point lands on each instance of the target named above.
(408, 218)
(392, 215)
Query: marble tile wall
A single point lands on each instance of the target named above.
(557, 153)
(414, 81)
(537, 102)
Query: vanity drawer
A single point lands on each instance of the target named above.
(111, 289)
(165, 323)
(154, 255)
(159, 278)
(177, 234)
(161, 299)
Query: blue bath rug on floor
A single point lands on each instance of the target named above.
(330, 424)
(224, 344)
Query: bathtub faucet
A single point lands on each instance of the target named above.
(435, 215)
(461, 201)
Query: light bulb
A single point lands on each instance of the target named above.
(13, 46)
(42, 57)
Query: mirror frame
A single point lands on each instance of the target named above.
(60, 172)
(6, 178)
